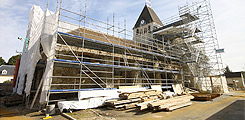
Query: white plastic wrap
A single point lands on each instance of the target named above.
(30, 58)
(48, 41)
(41, 31)
(98, 93)
(82, 104)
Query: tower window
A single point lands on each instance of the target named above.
(149, 28)
(137, 31)
(145, 30)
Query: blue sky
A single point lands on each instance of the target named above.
(228, 16)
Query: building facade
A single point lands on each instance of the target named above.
(6, 73)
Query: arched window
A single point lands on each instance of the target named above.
(137, 31)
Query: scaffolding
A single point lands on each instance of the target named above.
(94, 55)
(91, 54)
(193, 30)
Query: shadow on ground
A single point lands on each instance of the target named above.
(235, 111)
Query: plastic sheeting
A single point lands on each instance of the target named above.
(82, 104)
(218, 81)
(48, 41)
(224, 84)
(94, 98)
(41, 31)
(89, 99)
(30, 58)
(98, 93)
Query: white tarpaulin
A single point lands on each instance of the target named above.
(48, 41)
(82, 104)
(98, 93)
(32, 55)
(41, 31)
(94, 99)
(89, 99)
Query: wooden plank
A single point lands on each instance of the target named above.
(144, 105)
(139, 94)
(178, 89)
(129, 106)
(165, 106)
(179, 106)
(201, 96)
(126, 106)
(114, 103)
(170, 100)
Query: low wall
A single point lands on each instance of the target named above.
(5, 88)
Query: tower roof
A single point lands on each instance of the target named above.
(149, 16)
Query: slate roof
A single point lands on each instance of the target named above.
(149, 16)
(8, 68)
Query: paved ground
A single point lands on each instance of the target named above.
(227, 107)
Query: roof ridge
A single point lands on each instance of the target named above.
(8, 65)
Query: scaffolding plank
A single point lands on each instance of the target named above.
(115, 66)
(118, 46)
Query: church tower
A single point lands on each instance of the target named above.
(147, 22)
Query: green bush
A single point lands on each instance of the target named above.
(7, 81)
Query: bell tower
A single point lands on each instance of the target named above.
(147, 22)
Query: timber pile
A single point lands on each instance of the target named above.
(167, 104)
(129, 100)
(138, 94)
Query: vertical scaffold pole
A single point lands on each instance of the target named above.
(125, 37)
(80, 77)
(113, 58)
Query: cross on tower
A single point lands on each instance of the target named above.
(148, 3)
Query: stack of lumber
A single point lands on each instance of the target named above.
(167, 104)
(138, 94)
(129, 100)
